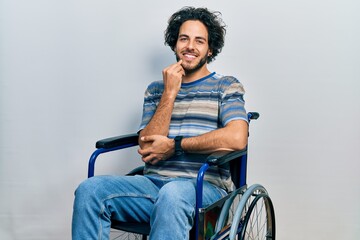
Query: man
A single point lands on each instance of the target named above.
(189, 114)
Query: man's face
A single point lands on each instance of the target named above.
(192, 45)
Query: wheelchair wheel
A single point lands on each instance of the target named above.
(254, 218)
(227, 212)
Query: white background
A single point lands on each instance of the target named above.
(74, 71)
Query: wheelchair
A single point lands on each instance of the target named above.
(245, 213)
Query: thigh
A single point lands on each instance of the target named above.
(124, 198)
(185, 189)
(212, 193)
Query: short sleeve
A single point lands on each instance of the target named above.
(152, 98)
(232, 103)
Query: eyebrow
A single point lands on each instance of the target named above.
(198, 37)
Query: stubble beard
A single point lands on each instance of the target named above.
(195, 68)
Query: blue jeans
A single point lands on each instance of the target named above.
(167, 203)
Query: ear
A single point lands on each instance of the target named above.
(209, 52)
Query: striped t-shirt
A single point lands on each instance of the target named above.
(200, 106)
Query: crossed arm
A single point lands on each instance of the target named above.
(232, 137)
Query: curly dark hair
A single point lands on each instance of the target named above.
(212, 21)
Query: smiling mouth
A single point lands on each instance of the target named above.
(189, 56)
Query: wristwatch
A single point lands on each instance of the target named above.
(178, 149)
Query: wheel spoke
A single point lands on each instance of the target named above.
(257, 219)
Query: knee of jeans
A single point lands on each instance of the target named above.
(87, 188)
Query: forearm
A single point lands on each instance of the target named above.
(233, 137)
(160, 122)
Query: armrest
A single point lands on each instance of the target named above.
(118, 141)
(111, 144)
(220, 158)
(253, 115)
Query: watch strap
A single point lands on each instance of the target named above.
(178, 148)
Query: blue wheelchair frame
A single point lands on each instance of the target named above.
(131, 140)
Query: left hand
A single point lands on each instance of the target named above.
(157, 148)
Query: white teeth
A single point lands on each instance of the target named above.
(189, 56)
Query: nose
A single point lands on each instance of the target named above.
(190, 45)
